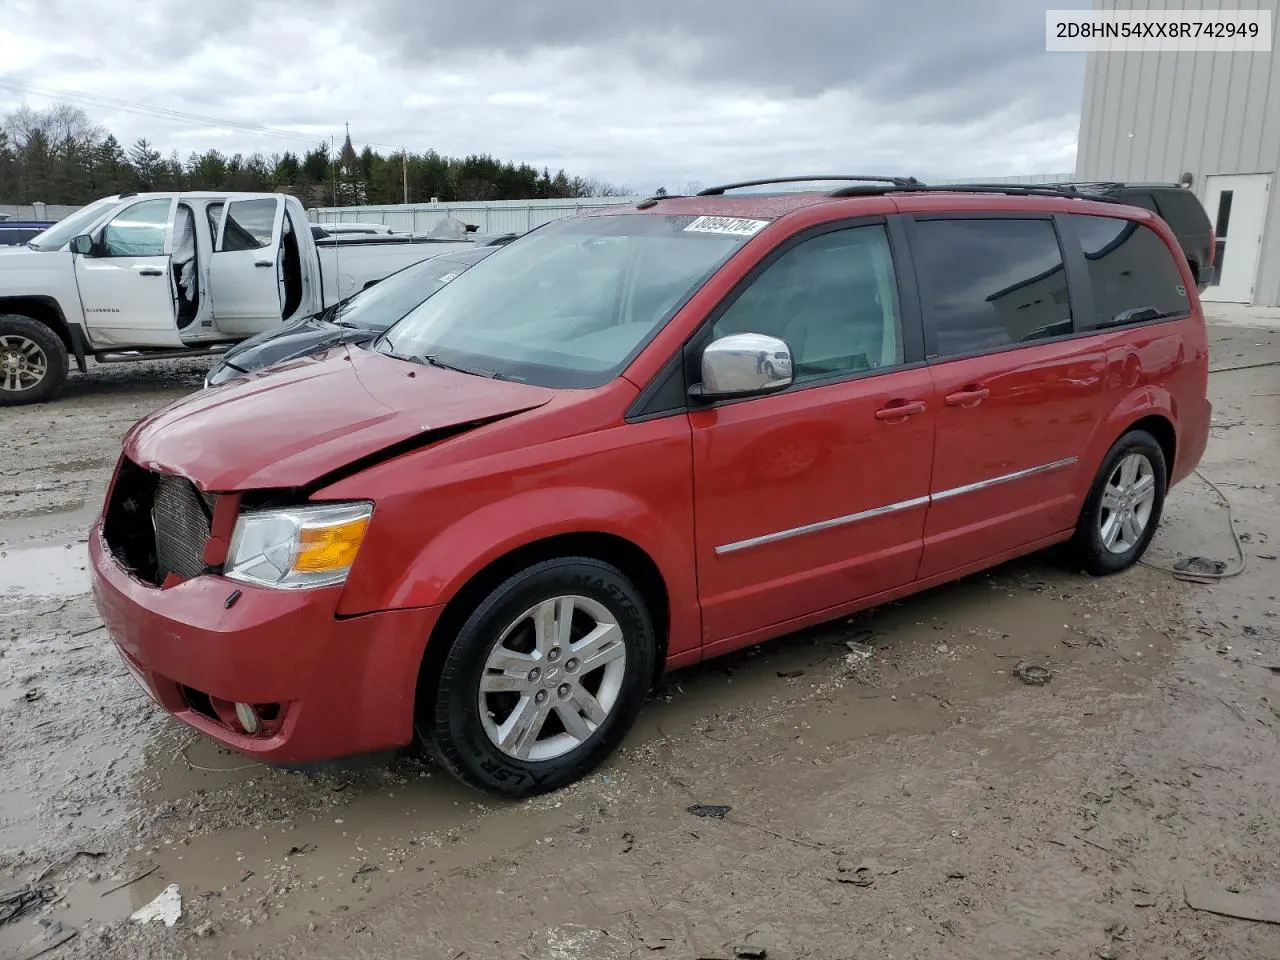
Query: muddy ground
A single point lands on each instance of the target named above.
(921, 802)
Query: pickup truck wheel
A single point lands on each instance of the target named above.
(1124, 505)
(33, 361)
(543, 679)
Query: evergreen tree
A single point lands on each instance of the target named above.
(145, 162)
(57, 155)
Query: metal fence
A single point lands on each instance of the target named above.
(1028, 179)
(35, 211)
(517, 216)
(490, 216)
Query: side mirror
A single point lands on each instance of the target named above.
(82, 245)
(744, 365)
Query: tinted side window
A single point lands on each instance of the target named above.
(248, 224)
(832, 299)
(1134, 275)
(991, 283)
(1182, 211)
(1140, 199)
(137, 231)
(15, 236)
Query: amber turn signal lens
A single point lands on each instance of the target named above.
(321, 549)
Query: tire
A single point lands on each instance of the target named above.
(1098, 519)
(465, 738)
(33, 361)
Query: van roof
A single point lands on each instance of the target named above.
(861, 193)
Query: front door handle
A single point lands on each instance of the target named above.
(895, 411)
(264, 263)
(150, 272)
(970, 396)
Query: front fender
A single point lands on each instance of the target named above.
(48, 276)
(454, 555)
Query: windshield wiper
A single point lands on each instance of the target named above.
(390, 351)
(437, 362)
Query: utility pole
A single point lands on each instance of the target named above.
(333, 169)
(404, 172)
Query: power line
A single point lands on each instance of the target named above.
(76, 96)
(145, 109)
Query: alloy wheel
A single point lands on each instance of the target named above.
(1127, 502)
(23, 363)
(552, 678)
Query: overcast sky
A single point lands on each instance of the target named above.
(645, 94)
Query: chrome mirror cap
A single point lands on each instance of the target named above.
(745, 364)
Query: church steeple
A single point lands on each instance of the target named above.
(348, 153)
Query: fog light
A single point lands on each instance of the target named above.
(248, 717)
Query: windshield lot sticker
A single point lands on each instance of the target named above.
(733, 226)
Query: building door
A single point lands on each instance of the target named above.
(1237, 207)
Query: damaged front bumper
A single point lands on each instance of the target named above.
(322, 686)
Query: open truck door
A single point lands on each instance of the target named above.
(247, 277)
(123, 273)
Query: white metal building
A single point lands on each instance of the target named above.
(1212, 116)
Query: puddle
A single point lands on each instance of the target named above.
(367, 835)
(45, 572)
(82, 464)
(254, 847)
(27, 523)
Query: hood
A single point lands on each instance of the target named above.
(295, 339)
(27, 272)
(313, 416)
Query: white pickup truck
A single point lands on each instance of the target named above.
(159, 275)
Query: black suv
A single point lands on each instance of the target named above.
(1178, 207)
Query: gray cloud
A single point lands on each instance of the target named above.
(642, 94)
(979, 52)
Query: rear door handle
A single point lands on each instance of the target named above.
(897, 410)
(264, 263)
(968, 397)
(150, 272)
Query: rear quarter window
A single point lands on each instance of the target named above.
(991, 283)
(1134, 276)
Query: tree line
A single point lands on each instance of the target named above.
(58, 155)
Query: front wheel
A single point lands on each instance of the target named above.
(544, 678)
(1124, 505)
(33, 361)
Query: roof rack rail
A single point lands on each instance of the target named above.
(653, 201)
(892, 181)
(1121, 184)
(1009, 189)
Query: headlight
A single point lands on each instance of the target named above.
(298, 547)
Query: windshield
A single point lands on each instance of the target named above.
(382, 304)
(61, 233)
(570, 304)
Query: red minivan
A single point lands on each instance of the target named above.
(641, 437)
